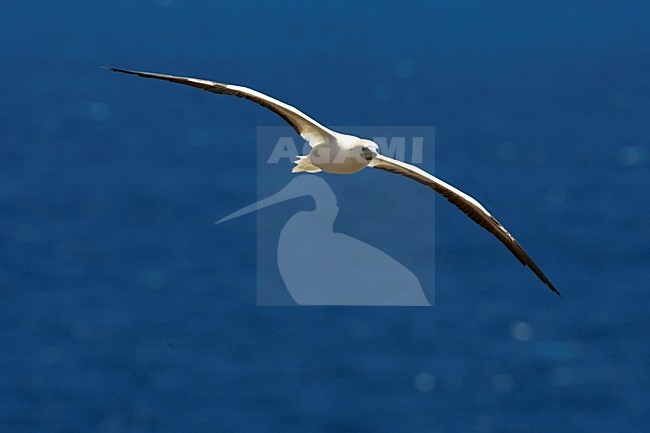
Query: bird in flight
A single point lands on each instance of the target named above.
(334, 152)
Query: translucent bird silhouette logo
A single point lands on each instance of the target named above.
(322, 267)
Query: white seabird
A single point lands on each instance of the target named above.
(333, 152)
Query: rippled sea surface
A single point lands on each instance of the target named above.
(123, 308)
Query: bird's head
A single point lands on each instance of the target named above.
(369, 149)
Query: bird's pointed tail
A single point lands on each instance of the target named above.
(303, 163)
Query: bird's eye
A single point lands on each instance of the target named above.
(364, 148)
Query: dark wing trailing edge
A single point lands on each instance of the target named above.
(467, 205)
(308, 128)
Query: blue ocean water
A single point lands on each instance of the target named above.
(123, 308)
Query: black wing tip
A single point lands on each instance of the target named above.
(544, 279)
(556, 291)
(125, 71)
(552, 287)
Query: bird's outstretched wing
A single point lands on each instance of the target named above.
(304, 125)
(465, 203)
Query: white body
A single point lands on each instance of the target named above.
(342, 154)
